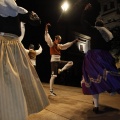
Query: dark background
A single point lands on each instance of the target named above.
(61, 23)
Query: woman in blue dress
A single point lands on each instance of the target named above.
(99, 71)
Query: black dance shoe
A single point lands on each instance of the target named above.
(97, 111)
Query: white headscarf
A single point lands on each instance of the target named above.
(10, 8)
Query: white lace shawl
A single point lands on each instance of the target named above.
(107, 35)
(10, 8)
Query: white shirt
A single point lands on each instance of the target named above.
(60, 46)
(39, 51)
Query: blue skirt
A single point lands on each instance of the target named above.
(100, 73)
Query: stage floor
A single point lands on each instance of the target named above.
(71, 104)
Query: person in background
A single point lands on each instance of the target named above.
(57, 65)
(99, 71)
(21, 91)
(33, 53)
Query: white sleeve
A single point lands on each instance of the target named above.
(65, 46)
(21, 10)
(22, 32)
(48, 39)
(107, 34)
(39, 51)
(27, 51)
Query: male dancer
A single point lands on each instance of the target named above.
(57, 65)
(33, 53)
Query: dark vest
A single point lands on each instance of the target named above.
(32, 54)
(54, 50)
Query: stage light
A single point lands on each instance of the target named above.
(65, 6)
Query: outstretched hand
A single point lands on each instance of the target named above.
(75, 41)
(48, 24)
(88, 6)
(46, 27)
(39, 45)
(34, 16)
